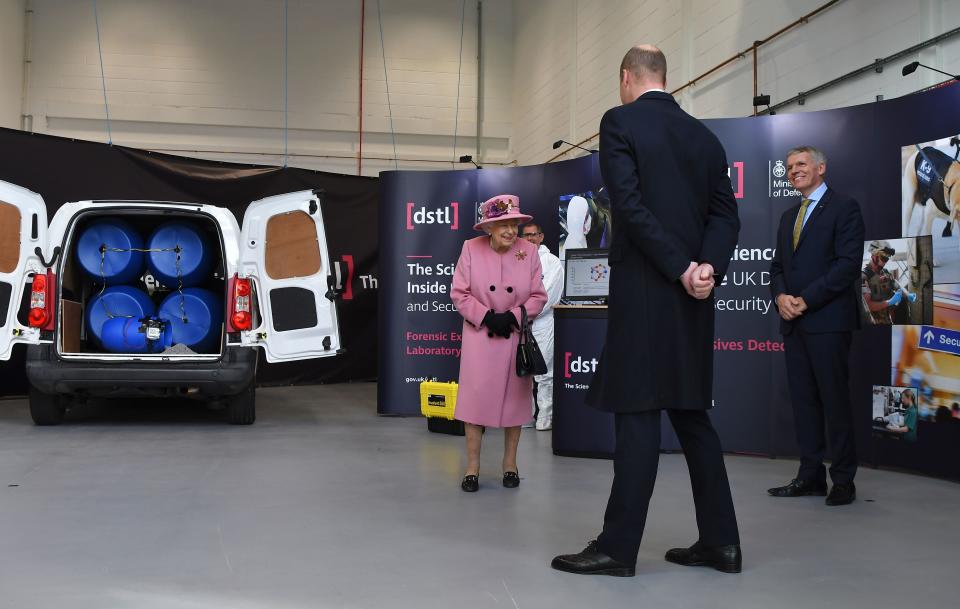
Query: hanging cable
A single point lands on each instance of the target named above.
(456, 112)
(363, 22)
(286, 114)
(386, 83)
(103, 80)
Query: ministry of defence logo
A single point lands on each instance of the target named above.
(777, 185)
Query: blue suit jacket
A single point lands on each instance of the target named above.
(825, 268)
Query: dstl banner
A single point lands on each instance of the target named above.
(426, 216)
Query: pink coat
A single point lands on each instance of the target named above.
(490, 392)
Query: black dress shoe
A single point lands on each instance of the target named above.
(842, 494)
(799, 488)
(470, 484)
(511, 479)
(592, 562)
(722, 558)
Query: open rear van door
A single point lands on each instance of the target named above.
(284, 249)
(23, 231)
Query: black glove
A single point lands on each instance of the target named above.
(499, 323)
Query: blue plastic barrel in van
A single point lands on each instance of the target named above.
(196, 254)
(111, 267)
(116, 301)
(196, 318)
(129, 335)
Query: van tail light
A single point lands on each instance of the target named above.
(240, 312)
(41, 301)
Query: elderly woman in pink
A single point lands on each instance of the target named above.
(496, 274)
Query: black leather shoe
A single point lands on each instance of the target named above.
(592, 562)
(722, 558)
(842, 494)
(470, 484)
(511, 479)
(799, 488)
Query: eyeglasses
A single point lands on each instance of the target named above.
(525, 235)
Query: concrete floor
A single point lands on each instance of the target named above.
(322, 504)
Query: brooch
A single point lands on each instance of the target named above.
(521, 255)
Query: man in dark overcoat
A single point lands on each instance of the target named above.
(675, 226)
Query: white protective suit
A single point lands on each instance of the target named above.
(578, 225)
(543, 332)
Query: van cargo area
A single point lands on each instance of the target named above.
(142, 282)
(127, 299)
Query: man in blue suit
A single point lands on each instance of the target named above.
(814, 279)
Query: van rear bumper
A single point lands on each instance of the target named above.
(229, 376)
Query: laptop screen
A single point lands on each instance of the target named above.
(587, 274)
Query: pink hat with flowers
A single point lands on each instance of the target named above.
(500, 207)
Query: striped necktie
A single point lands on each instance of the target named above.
(798, 225)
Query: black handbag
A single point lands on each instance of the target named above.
(529, 359)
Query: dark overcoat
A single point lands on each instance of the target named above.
(672, 203)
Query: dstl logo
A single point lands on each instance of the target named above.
(735, 172)
(577, 364)
(343, 276)
(449, 214)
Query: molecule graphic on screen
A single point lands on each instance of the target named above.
(599, 271)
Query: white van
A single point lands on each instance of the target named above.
(275, 276)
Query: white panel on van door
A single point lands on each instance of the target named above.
(284, 248)
(23, 221)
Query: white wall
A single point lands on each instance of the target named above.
(206, 78)
(697, 35)
(11, 61)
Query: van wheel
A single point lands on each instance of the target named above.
(241, 408)
(46, 408)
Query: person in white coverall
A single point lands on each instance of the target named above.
(578, 225)
(543, 324)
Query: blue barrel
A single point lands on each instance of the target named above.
(196, 254)
(198, 324)
(128, 335)
(118, 266)
(116, 301)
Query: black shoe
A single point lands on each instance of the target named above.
(511, 479)
(592, 562)
(722, 558)
(470, 484)
(799, 488)
(842, 494)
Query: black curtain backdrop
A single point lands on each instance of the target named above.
(62, 170)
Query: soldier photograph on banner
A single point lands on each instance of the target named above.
(896, 280)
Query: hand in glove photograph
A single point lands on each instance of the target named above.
(500, 324)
